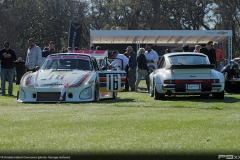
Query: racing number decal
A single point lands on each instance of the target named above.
(113, 81)
(59, 76)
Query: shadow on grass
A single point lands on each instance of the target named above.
(100, 101)
(196, 98)
(205, 99)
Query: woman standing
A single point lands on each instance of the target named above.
(142, 66)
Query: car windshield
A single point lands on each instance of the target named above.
(188, 59)
(67, 62)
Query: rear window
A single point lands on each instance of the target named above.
(188, 60)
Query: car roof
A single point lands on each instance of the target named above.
(185, 53)
(74, 54)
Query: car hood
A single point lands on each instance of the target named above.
(56, 77)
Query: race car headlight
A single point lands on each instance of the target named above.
(27, 81)
(86, 93)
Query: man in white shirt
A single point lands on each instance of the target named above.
(120, 60)
(34, 56)
(151, 56)
(152, 59)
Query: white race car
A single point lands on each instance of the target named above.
(186, 73)
(71, 77)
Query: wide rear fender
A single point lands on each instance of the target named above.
(161, 75)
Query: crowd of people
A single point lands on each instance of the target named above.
(141, 62)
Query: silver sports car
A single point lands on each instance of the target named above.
(186, 73)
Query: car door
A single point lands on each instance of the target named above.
(112, 80)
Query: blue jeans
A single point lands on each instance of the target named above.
(7, 73)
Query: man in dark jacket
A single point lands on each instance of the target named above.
(210, 52)
(132, 64)
(126, 86)
(7, 56)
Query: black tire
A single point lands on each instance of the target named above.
(219, 95)
(158, 96)
(151, 91)
(114, 95)
(96, 92)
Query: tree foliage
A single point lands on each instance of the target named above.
(47, 20)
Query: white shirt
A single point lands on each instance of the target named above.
(152, 56)
(118, 62)
(34, 57)
(196, 51)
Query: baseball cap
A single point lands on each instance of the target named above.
(51, 42)
(129, 48)
(6, 44)
(31, 40)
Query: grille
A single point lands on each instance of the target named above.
(49, 96)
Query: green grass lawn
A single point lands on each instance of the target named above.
(133, 123)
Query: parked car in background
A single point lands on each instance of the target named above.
(186, 73)
(231, 74)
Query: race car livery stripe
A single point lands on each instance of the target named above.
(101, 79)
(123, 79)
(82, 80)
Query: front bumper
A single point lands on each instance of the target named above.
(72, 94)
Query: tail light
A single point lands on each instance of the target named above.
(169, 81)
(191, 81)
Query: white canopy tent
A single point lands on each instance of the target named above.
(161, 37)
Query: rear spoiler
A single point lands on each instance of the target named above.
(210, 66)
(94, 53)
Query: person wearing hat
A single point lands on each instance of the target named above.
(34, 56)
(7, 57)
(132, 64)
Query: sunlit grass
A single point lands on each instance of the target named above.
(133, 123)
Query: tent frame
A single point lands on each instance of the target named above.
(161, 37)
